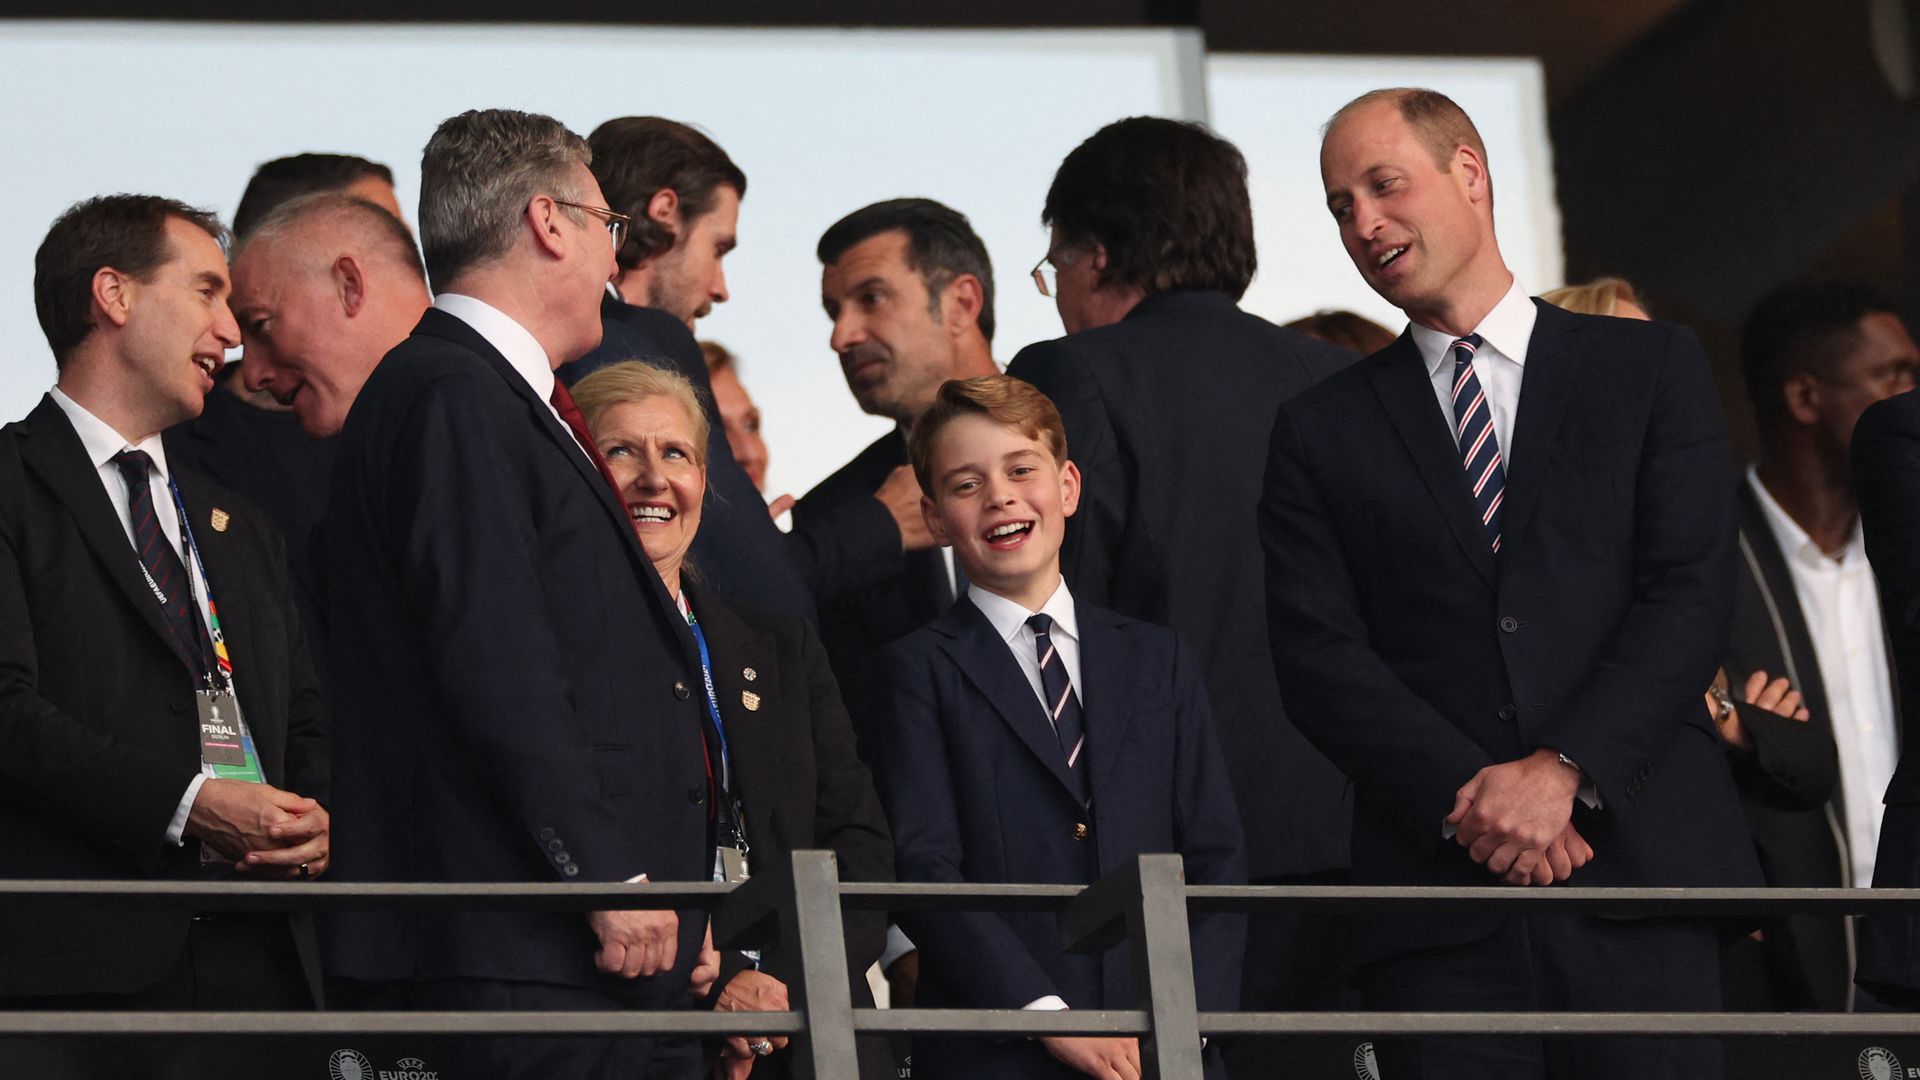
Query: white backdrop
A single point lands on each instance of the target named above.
(822, 121)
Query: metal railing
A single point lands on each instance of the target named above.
(792, 911)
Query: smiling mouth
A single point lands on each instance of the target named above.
(209, 365)
(1008, 534)
(1389, 257)
(651, 514)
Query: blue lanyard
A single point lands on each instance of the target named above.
(221, 677)
(713, 700)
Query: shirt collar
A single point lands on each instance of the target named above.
(101, 442)
(1508, 328)
(1794, 541)
(1009, 618)
(516, 343)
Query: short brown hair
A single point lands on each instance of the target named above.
(636, 156)
(1000, 398)
(1601, 296)
(637, 380)
(1166, 198)
(125, 232)
(1347, 329)
(717, 357)
(1439, 124)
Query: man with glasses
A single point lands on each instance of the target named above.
(1169, 389)
(516, 697)
(683, 193)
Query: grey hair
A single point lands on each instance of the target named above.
(385, 234)
(476, 175)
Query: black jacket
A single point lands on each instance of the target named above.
(1168, 414)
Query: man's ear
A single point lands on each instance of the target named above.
(664, 207)
(960, 304)
(113, 295)
(1473, 173)
(1069, 488)
(1801, 394)
(543, 217)
(936, 525)
(350, 285)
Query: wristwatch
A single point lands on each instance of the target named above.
(1570, 763)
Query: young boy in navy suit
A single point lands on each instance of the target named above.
(1035, 739)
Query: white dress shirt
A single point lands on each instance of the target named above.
(1842, 609)
(1498, 362)
(1009, 620)
(102, 443)
(524, 353)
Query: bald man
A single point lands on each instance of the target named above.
(324, 285)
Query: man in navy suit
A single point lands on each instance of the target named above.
(1037, 738)
(516, 696)
(1498, 620)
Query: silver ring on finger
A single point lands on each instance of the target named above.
(761, 1047)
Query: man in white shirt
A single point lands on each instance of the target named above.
(1814, 356)
(159, 715)
(515, 697)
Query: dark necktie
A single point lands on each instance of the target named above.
(1063, 705)
(1479, 445)
(562, 399)
(163, 566)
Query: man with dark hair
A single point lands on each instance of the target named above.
(1815, 356)
(147, 732)
(284, 179)
(1499, 564)
(515, 696)
(683, 194)
(1151, 250)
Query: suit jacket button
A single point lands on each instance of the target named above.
(546, 834)
(1509, 624)
(570, 870)
(1508, 712)
(697, 795)
(680, 690)
(1080, 831)
(563, 858)
(555, 845)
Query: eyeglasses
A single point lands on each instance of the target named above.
(1046, 277)
(617, 222)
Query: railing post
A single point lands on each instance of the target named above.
(797, 905)
(1145, 903)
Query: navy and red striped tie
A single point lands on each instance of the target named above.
(1479, 444)
(1063, 705)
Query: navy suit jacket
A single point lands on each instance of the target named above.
(1168, 413)
(516, 696)
(98, 738)
(740, 552)
(974, 783)
(1886, 476)
(1414, 657)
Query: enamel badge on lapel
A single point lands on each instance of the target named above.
(751, 700)
(218, 519)
(749, 674)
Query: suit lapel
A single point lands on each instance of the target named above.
(1399, 377)
(440, 324)
(55, 454)
(986, 662)
(752, 744)
(1544, 389)
(1111, 671)
(1769, 565)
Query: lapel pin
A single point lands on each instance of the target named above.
(749, 674)
(218, 519)
(751, 700)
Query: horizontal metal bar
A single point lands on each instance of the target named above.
(1565, 1024)
(400, 1023)
(1349, 899)
(339, 896)
(1031, 1022)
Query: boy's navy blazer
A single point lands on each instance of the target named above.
(976, 790)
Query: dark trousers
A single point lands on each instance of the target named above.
(548, 1058)
(230, 963)
(1296, 963)
(1554, 963)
